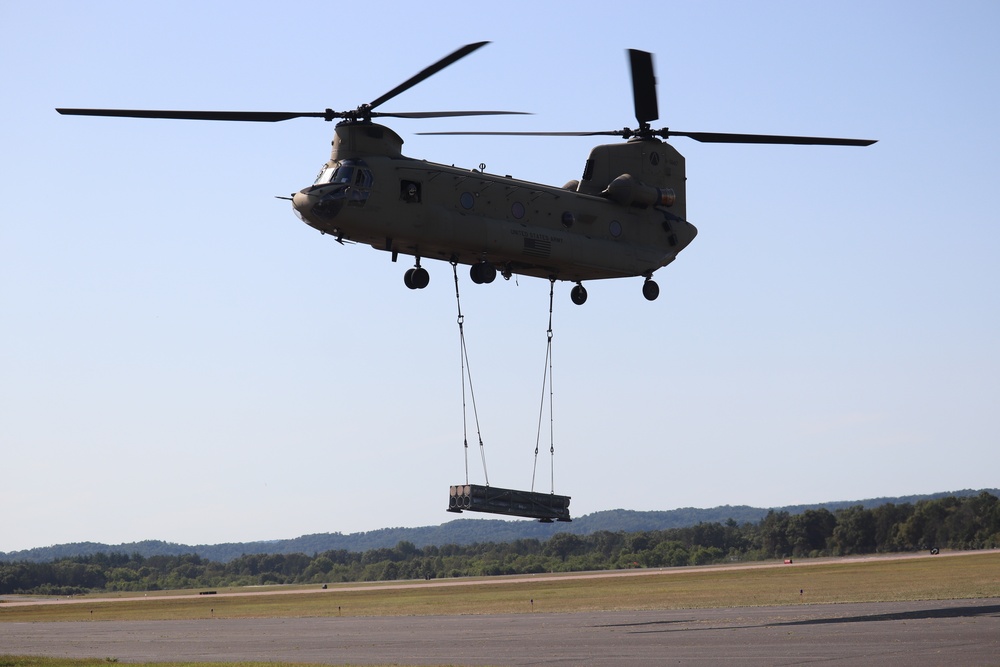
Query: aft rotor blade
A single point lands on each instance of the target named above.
(708, 137)
(727, 138)
(252, 116)
(428, 72)
(643, 86)
(615, 133)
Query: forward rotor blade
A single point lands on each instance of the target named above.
(252, 116)
(448, 114)
(428, 72)
(727, 138)
(643, 86)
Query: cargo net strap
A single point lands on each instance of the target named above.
(467, 372)
(546, 378)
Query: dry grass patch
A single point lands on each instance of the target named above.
(962, 576)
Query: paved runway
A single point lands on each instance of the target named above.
(954, 632)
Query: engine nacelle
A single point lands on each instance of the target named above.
(629, 191)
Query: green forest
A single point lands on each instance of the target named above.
(971, 522)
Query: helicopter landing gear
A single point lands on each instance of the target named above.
(578, 294)
(417, 277)
(650, 290)
(483, 272)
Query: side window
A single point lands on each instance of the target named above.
(409, 191)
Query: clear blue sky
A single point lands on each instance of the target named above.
(182, 359)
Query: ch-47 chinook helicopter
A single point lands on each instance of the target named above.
(625, 217)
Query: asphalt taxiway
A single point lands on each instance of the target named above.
(952, 632)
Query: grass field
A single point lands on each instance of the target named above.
(946, 576)
(32, 661)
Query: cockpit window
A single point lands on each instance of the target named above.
(324, 175)
(353, 179)
(342, 173)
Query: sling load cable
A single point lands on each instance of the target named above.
(466, 370)
(546, 507)
(547, 375)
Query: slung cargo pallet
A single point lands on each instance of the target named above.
(492, 499)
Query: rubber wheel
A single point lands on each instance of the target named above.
(579, 295)
(487, 272)
(420, 278)
(650, 290)
(483, 272)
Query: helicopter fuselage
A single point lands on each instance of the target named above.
(625, 216)
(370, 193)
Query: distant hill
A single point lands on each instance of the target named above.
(461, 531)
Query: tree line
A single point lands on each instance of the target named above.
(952, 522)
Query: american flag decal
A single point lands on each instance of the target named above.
(537, 247)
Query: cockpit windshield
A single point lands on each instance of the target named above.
(324, 176)
(342, 173)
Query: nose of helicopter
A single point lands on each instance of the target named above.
(318, 205)
(302, 202)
